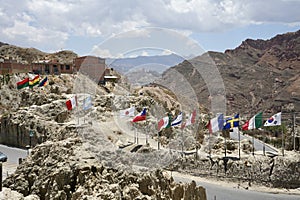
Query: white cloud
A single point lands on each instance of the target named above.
(44, 23)
(166, 52)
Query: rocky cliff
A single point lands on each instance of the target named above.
(76, 154)
(64, 170)
(257, 75)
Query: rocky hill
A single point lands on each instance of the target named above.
(30, 55)
(259, 75)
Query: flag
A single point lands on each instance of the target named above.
(191, 120)
(177, 120)
(44, 82)
(254, 122)
(34, 81)
(22, 84)
(71, 103)
(216, 123)
(231, 122)
(163, 123)
(129, 112)
(140, 117)
(275, 120)
(87, 103)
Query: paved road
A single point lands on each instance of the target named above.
(258, 145)
(13, 155)
(223, 192)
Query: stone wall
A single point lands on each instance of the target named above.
(280, 172)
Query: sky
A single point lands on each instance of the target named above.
(117, 28)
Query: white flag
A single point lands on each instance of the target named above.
(71, 103)
(192, 119)
(129, 112)
(177, 120)
(275, 120)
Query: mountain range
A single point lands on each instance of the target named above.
(258, 75)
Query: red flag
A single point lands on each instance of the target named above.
(245, 126)
(208, 126)
(193, 117)
(23, 83)
(71, 103)
(191, 120)
(140, 117)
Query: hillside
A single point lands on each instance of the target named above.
(258, 75)
(30, 55)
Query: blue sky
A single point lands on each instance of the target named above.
(230, 39)
(83, 26)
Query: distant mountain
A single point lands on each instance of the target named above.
(2, 44)
(258, 75)
(142, 70)
(156, 63)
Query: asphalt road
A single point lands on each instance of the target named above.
(13, 155)
(223, 192)
(258, 145)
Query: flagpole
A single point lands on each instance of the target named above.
(264, 146)
(225, 148)
(239, 143)
(147, 134)
(134, 134)
(209, 143)
(137, 136)
(282, 133)
(182, 141)
(294, 122)
(157, 140)
(253, 145)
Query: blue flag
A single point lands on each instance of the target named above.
(231, 122)
(177, 120)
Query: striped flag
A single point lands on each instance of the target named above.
(140, 117)
(216, 124)
(254, 122)
(34, 81)
(44, 82)
(22, 84)
(163, 123)
(177, 120)
(71, 103)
